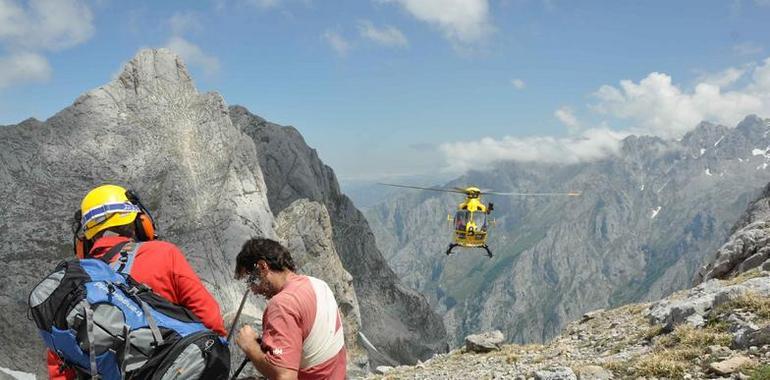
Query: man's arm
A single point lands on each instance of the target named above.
(247, 341)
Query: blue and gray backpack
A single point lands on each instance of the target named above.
(106, 325)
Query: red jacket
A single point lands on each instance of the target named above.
(161, 266)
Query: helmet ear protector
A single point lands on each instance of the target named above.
(79, 241)
(144, 227)
(144, 224)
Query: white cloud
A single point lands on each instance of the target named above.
(654, 105)
(463, 22)
(193, 55)
(723, 78)
(337, 42)
(591, 145)
(387, 35)
(567, 117)
(182, 22)
(23, 67)
(518, 83)
(45, 24)
(747, 48)
(28, 30)
(659, 107)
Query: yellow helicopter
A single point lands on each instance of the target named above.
(471, 221)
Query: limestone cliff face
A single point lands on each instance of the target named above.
(647, 220)
(149, 130)
(397, 320)
(306, 229)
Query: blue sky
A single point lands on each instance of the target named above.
(389, 88)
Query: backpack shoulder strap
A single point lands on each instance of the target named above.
(126, 260)
(107, 257)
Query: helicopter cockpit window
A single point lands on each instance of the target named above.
(481, 220)
(461, 219)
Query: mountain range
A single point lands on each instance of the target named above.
(643, 226)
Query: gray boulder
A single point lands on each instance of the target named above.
(484, 342)
(555, 373)
(748, 248)
(150, 130)
(594, 372)
(693, 305)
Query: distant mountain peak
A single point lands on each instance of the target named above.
(753, 123)
(705, 133)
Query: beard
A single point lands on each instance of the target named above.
(264, 289)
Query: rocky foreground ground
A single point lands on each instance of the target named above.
(718, 329)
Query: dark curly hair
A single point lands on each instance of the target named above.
(272, 252)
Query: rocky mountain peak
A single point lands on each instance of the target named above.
(752, 121)
(705, 134)
(643, 147)
(153, 70)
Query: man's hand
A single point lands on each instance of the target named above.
(247, 341)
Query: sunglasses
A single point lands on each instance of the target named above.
(252, 278)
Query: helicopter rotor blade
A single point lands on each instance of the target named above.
(423, 188)
(465, 190)
(569, 194)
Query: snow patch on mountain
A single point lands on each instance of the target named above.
(760, 152)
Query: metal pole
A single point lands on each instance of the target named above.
(237, 316)
(238, 371)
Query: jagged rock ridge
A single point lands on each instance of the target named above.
(396, 319)
(643, 226)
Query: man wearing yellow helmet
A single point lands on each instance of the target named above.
(111, 217)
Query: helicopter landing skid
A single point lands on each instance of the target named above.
(486, 248)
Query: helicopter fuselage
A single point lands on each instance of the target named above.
(470, 223)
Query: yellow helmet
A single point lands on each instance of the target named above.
(104, 207)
